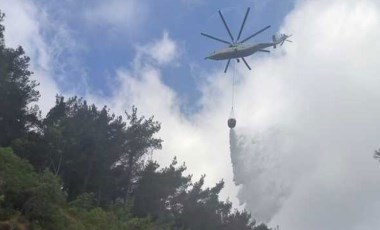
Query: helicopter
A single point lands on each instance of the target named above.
(238, 49)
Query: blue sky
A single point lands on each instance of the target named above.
(101, 47)
(307, 114)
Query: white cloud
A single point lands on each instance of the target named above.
(159, 52)
(127, 15)
(165, 50)
(23, 24)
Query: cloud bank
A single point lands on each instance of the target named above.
(311, 121)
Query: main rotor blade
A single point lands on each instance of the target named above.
(245, 62)
(228, 62)
(225, 24)
(260, 31)
(242, 25)
(218, 39)
(288, 40)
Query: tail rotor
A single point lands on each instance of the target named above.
(281, 39)
(285, 38)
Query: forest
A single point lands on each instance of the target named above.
(83, 167)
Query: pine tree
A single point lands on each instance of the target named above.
(17, 91)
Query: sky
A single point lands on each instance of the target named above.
(301, 155)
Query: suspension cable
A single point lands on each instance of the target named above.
(233, 87)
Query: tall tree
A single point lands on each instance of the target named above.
(169, 197)
(156, 191)
(140, 141)
(91, 149)
(85, 144)
(17, 91)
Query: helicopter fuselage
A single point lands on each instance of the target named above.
(238, 50)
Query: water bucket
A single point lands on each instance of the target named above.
(231, 123)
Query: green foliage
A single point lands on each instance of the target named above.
(163, 199)
(262, 227)
(202, 205)
(37, 196)
(46, 200)
(156, 190)
(17, 181)
(169, 197)
(139, 141)
(34, 148)
(95, 218)
(115, 218)
(92, 150)
(85, 202)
